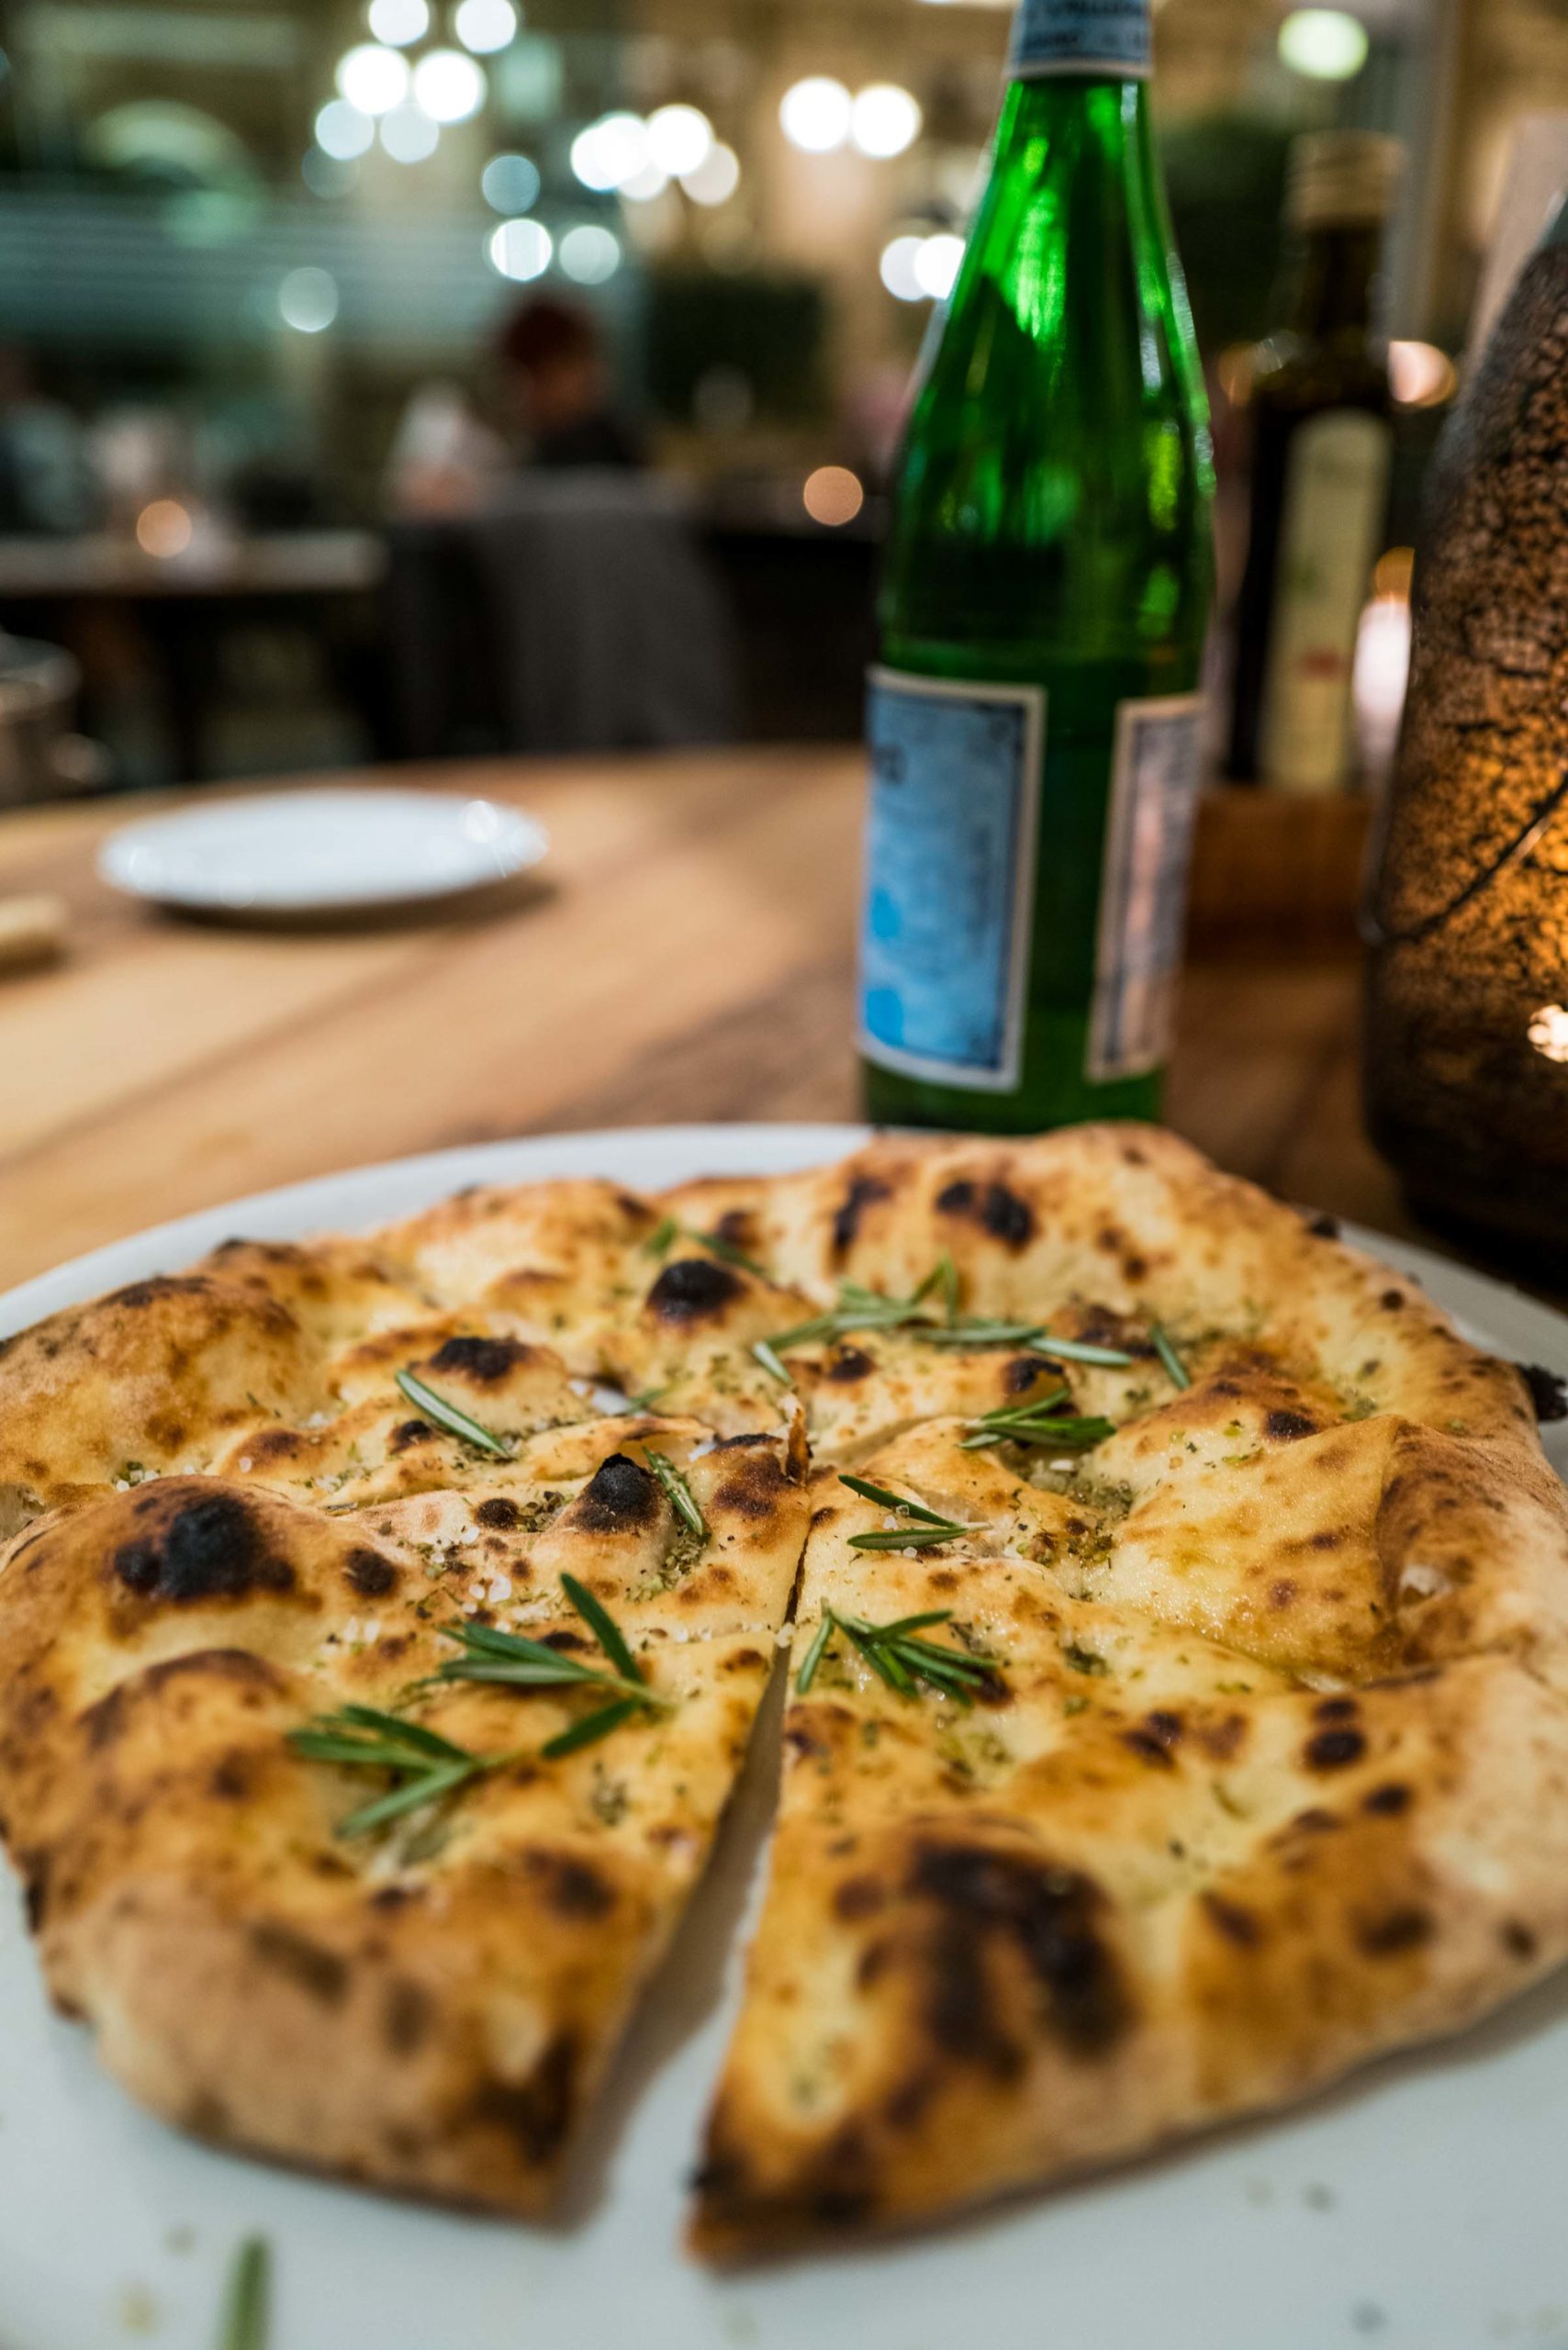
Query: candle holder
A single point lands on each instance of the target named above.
(1466, 1066)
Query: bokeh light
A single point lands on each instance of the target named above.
(816, 114)
(372, 78)
(520, 249)
(398, 22)
(1324, 44)
(307, 300)
(680, 140)
(833, 496)
(609, 152)
(485, 25)
(408, 133)
(716, 177)
(509, 183)
(163, 527)
(884, 119)
(590, 253)
(449, 86)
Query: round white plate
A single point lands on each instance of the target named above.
(318, 851)
(1419, 2206)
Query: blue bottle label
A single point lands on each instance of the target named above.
(1107, 37)
(950, 876)
(1156, 771)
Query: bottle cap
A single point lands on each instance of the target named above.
(1341, 177)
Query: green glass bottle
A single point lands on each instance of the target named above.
(1034, 723)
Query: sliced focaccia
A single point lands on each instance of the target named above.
(1122, 1850)
(428, 2003)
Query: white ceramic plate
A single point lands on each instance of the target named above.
(319, 851)
(1419, 2206)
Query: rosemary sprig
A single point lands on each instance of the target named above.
(425, 1766)
(1079, 1351)
(770, 1362)
(1176, 1370)
(513, 1661)
(245, 2299)
(662, 1239)
(1036, 1424)
(682, 1500)
(448, 1417)
(982, 1330)
(859, 1308)
(929, 1532)
(901, 1660)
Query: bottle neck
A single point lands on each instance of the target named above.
(1108, 39)
(1335, 284)
(1037, 109)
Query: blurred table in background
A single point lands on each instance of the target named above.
(688, 956)
(182, 604)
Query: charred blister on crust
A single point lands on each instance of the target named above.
(621, 1496)
(863, 1191)
(992, 1207)
(486, 1361)
(1051, 1916)
(694, 1289)
(211, 1545)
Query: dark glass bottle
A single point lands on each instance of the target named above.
(1033, 726)
(1322, 444)
(1467, 1016)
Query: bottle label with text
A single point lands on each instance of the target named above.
(949, 880)
(1109, 37)
(1155, 769)
(1336, 493)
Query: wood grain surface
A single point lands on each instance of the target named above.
(687, 954)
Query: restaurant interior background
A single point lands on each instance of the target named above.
(253, 260)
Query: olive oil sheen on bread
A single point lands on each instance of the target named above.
(1033, 719)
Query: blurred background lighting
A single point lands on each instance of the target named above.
(832, 495)
(816, 114)
(408, 133)
(485, 25)
(520, 249)
(342, 131)
(590, 255)
(449, 86)
(610, 151)
(1325, 44)
(715, 178)
(1421, 374)
(936, 264)
(399, 21)
(509, 183)
(898, 268)
(307, 300)
(643, 185)
(372, 78)
(163, 527)
(680, 140)
(884, 119)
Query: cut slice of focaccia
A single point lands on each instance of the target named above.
(428, 2004)
(1248, 1777)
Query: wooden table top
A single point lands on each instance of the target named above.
(689, 957)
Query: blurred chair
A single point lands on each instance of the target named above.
(574, 612)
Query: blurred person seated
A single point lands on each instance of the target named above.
(47, 486)
(556, 380)
(445, 458)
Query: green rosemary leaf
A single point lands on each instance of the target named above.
(976, 1331)
(1066, 1431)
(682, 1500)
(662, 1239)
(908, 1538)
(246, 2298)
(1079, 1351)
(428, 1787)
(593, 1727)
(448, 1417)
(889, 1499)
(1175, 1368)
(511, 1662)
(804, 1333)
(879, 1659)
(604, 1628)
(770, 1362)
(728, 1254)
(814, 1655)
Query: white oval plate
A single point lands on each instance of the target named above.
(1419, 2206)
(318, 851)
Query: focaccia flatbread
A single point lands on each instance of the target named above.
(1265, 1606)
